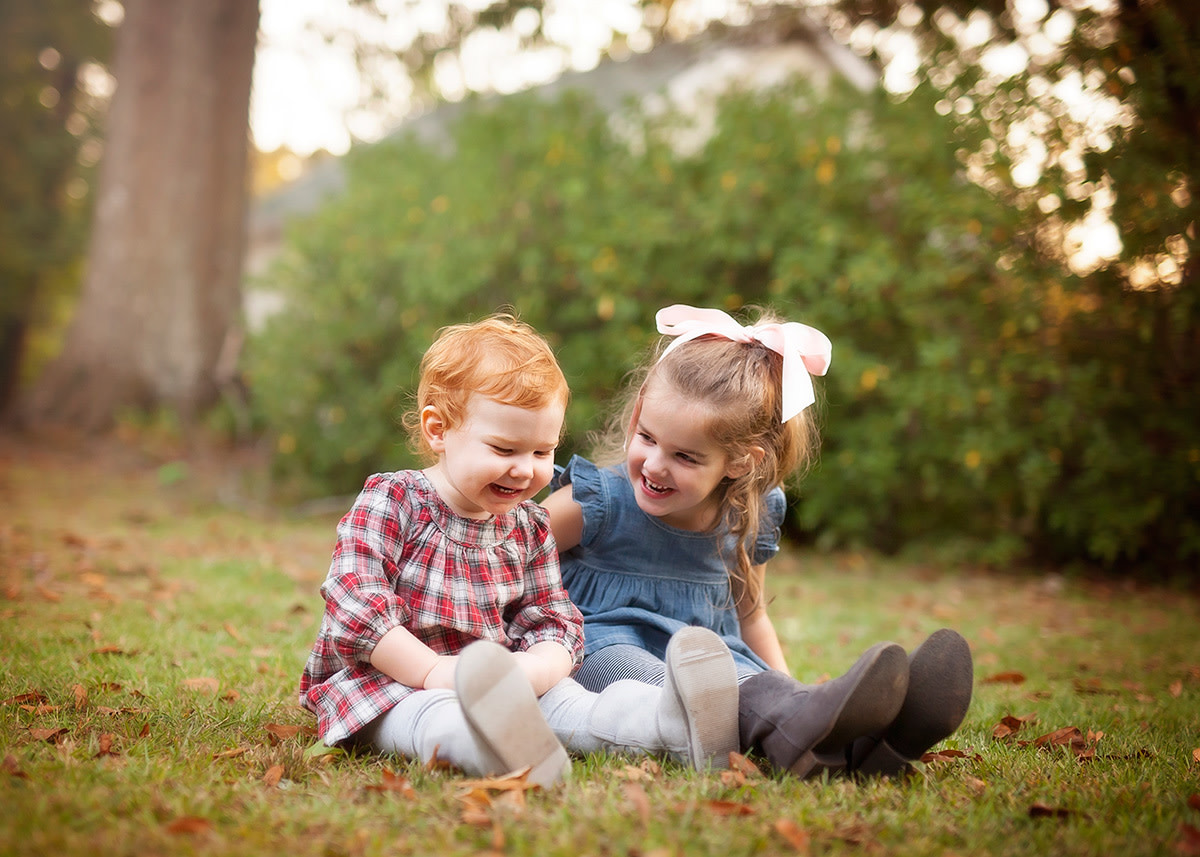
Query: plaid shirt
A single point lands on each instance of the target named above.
(403, 557)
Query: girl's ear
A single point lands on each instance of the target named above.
(433, 429)
(740, 466)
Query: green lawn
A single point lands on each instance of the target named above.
(151, 639)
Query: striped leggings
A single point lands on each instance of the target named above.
(622, 661)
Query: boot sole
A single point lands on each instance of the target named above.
(704, 678)
(500, 706)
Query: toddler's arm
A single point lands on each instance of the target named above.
(545, 664)
(402, 657)
(566, 518)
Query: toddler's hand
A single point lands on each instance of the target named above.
(442, 674)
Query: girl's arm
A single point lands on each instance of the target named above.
(566, 518)
(758, 630)
(402, 657)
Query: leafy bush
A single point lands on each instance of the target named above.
(970, 409)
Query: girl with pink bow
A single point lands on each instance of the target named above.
(675, 527)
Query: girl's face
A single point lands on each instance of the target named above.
(674, 466)
(499, 456)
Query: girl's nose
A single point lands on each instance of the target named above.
(522, 467)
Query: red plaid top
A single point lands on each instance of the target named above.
(403, 557)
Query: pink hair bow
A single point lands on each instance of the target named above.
(805, 350)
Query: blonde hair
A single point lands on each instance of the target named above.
(498, 357)
(740, 385)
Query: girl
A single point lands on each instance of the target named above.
(677, 533)
(445, 617)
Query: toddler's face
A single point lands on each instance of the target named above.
(498, 457)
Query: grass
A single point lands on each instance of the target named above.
(151, 638)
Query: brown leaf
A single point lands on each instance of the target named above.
(1041, 810)
(52, 736)
(1011, 677)
(739, 763)
(512, 781)
(10, 767)
(48, 594)
(728, 807)
(636, 795)
(976, 785)
(189, 825)
(284, 732)
(1189, 845)
(393, 782)
(106, 746)
(1010, 725)
(273, 775)
(1176, 688)
(1067, 736)
(202, 683)
(1193, 800)
(796, 836)
(229, 754)
(111, 650)
(1196, 755)
(80, 697)
(233, 632)
(25, 698)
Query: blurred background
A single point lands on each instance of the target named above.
(248, 221)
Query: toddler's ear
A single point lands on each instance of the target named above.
(433, 429)
(743, 464)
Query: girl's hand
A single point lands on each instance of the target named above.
(442, 674)
(545, 664)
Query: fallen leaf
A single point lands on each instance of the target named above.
(1010, 725)
(189, 825)
(1196, 755)
(393, 782)
(25, 698)
(1189, 845)
(1176, 688)
(1067, 736)
(512, 781)
(1193, 799)
(947, 755)
(202, 683)
(976, 785)
(233, 632)
(10, 767)
(1011, 677)
(52, 736)
(110, 650)
(229, 754)
(273, 775)
(284, 732)
(106, 746)
(231, 696)
(1041, 810)
(739, 763)
(796, 837)
(80, 697)
(636, 795)
(728, 807)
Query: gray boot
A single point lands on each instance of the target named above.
(693, 717)
(940, 679)
(807, 729)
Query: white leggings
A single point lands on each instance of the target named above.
(429, 721)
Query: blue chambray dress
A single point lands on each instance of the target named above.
(637, 580)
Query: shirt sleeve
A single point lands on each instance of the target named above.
(589, 491)
(766, 543)
(544, 612)
(361, 604)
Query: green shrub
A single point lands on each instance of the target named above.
(968, 412)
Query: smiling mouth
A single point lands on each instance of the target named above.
(654, 488)
(506, 492)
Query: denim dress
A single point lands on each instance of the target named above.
(637, 580)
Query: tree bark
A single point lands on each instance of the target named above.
(163, 281)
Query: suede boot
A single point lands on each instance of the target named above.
(940, 679)
(806, 729)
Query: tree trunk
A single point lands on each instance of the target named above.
(163, 281)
